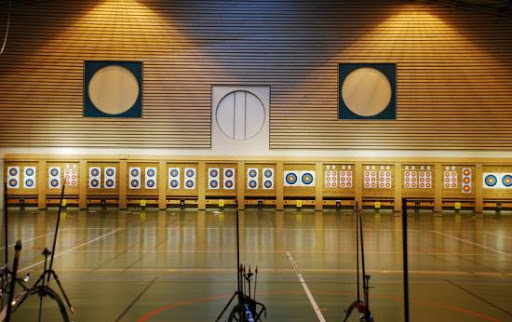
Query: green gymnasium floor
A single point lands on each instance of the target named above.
(179, 265)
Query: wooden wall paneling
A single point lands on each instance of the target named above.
(279, 184)
(240, 188)
(397, 207)
(438, 188)
(202, 178)
(41, 184)
(162, 185)
(123, 184)
(259, 193)
(478, 186)
(319, 187)
(358, 182)
(82, 183)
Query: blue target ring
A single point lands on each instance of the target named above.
(214, 173)
(135, 172)
(13, 183)
(307, 178)
(190, 173)
(491, 180)
(174, 183)
(95, 172)
(189, 183)
(150, 183)
(174, 173)
(54, 183)
(507, 180)
(29, 183)
(54, 172)
(228, 184)
(95, 183)
(253, 173)
(29, 172)
(253, 184)
(291, 178)
(268, 174)
(109, 183)
(268, 184)
(214, 184)
(150, 173)
(134, 183)
(109, 172)
(13, 172)
(228, 173)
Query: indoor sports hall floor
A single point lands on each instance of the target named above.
(179, 265)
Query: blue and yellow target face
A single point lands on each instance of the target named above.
(95, 172)
(134, 183)
(54, 172)
(29, 183)
(150, 183)
(174, 183)
(54, 183)
(189, 183)
(506, 180)
(253, 173)
(135, 172)
(228, 173)
(174, 173)
(268, 173)
(109, 183)
(253, 184)
(291, 178)
(29, 172)
(268, 184)
(109, 172)
(214, 184)
(491, 180)
(95, 183)
(190, 173)
(13, 183)
(13, 172)
(150, 173)
(229, 184)
(307, 178)
(214, 173)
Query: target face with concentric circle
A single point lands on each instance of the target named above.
(189, 184)
(229, 184)
(109, 183)
(150, 173)
(109, 172)
(150, 183)
(29, 172)
(253, 184)
(268, 173)
(291, 178)
(54, 172)
(214, 184)
(13, 172)
(13, 183)
(95, 183)
(95, 172)
(174, 183)
(54, 183)
(307, 178)
(135, 172)
(253, 173)
(214, 173)
(29, 183)
(174, 173)
(268, 184)
(490, 180)
(190, 173)
(228, 173)
(134, 183)
(506, 180)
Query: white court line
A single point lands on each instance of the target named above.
(472, 243)
(306, 288)
(72, 249)
(33, 238)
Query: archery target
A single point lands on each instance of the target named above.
(346, 177)
(450, 179)
(506, 180)
(29, 181)
(307, 178)
(70, 175)
(134, 177)
(466, 180)
(150, 178)
(291, 178)
(190, 178)
(94, 177)
(54, 175)
(331, 179)
(174, 180)
(213, 178)
(370, 179)
(425, 180)
(109, 181)
(13, 177)
(410, 179)
(252, 178)
(385, 179)
(491, 180)
(229, 179)
(268, 178)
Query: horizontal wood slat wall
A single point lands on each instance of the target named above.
(454, 71)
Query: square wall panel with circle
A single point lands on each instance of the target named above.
(367, 91)
(112, 89)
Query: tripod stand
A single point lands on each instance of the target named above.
(247, 308)
(362, 307)
(42, 286)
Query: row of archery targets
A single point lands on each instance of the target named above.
(255, 180)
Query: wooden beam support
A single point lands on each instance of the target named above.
(398, 187)
(479, 190)
(162, 185)
(438, 189)
(82, 188)
(240, 189)
(201, 185)
(319, 191)
(41, 186)
(123, 184)
(279, 184)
